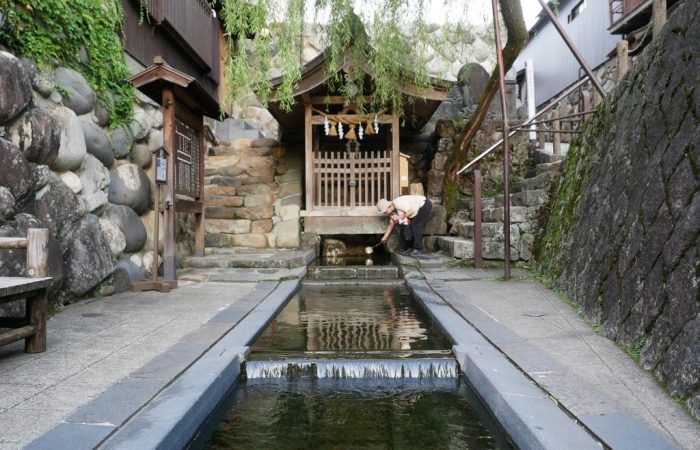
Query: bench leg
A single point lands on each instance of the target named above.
(36, 314)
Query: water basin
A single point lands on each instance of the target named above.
(352, 366)
(358, 413)
(350, 322)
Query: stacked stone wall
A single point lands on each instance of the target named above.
(66, 169)
(252, 195)
(623, 237)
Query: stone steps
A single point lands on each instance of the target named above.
(555, 166)
(535, 197)
(456, 247)
(249, 258)
(542, 181)
(352, 272)
(233, 275)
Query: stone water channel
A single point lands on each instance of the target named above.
(352, 361)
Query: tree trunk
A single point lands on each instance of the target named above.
(517, 37)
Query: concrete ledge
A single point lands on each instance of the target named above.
(176, 414)
(163, 404)
(525, 411)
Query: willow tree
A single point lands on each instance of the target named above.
(394, 37)
(512, 15)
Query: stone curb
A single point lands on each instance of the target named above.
(174, 417)
(615, 428)
(531, 419)
(163, 404)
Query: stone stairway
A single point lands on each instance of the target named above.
(529, 196)
(252, 201)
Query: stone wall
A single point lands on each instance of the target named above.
(623, 238)
(67, 170)
(252, 195)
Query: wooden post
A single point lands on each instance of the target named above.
(586, 104)
(155, 285)
(395, 181)
(199, 216)
(156, 230)
(169, 212)
(37, 252)
(36, 306)
(623, 59)
(556, 136)
(308, 158)
(659, 16)
(541, 135)
(477, 216)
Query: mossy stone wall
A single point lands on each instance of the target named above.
(623, 235)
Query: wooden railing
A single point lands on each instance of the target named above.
(620, 8)
(349, 179)
(32, 326)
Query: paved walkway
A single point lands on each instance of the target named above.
(97, 344)
(587, 373)
(134, 345)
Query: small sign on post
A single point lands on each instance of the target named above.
(162, 166)
(161, 177)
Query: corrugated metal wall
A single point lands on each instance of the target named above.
(555, 66)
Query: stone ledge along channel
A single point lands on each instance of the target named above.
(334, 362)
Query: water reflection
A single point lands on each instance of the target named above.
(357, 414)
(350, 318)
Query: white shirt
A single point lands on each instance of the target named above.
(409, 202)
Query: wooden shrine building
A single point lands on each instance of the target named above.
(351, 160)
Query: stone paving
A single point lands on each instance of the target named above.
(587, 373)
(96, 344)
(134, 345)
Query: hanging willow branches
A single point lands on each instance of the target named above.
(387, 38)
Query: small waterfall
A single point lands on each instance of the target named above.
(354, 368)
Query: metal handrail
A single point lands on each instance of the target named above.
(528, 122)
(560, 118)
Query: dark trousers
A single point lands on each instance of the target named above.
(418, 222)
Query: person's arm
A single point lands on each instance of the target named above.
(387, 233)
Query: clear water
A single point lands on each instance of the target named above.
(423, 368)
(356, 414)
(353, 367)
(350, 321)
(377, 258)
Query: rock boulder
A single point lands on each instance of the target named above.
(72, 150)
(15, 173)
(7, 204)
(94, 178)
(78, 94)
(15, 87)
(130, 225)
(58, 208)
(37, 134)
(88, 259)
(97, 143)
(130, 186)
(122, 140)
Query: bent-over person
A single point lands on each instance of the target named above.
(411, 211)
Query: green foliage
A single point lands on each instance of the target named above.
(362, 36)
(565, 211)
(57, 32)
(450, 196)
(635, 351)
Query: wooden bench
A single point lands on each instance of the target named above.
(31, 327)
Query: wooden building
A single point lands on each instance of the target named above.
(627, 16)
(176, 50)
(344, 177)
